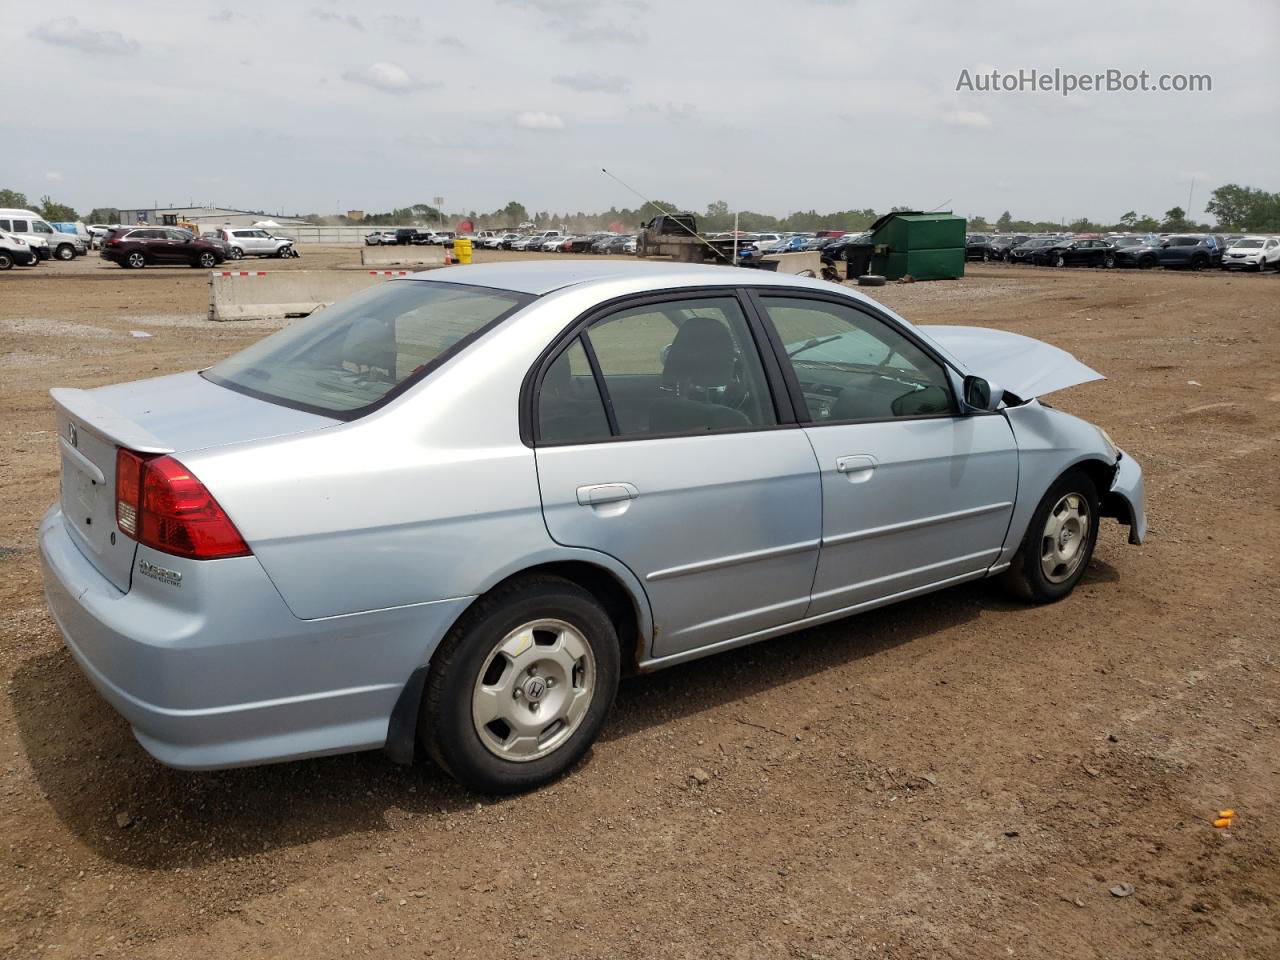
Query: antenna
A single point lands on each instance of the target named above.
(659, 207)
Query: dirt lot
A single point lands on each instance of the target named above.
(957, 776)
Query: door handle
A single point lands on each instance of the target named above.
(857, 468)
(595, 494)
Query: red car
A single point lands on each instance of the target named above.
(139, 246)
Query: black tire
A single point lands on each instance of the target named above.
(871, 280)
(1026, 577)
(1199, 263)
(445, 726)
(1146, 263)
(236, 253)
(206, 260)
(1060, 261)
(65, 251)
(6, 261)
(134, 261)
(1108, 261)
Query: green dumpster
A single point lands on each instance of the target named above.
(927, 246)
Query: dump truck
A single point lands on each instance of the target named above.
(676, 235)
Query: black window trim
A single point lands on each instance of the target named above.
(528, 414)
(757, 294)
(523, 300)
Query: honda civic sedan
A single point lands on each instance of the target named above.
(452, 510)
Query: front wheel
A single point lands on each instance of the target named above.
(520, 688)
(1108, 262)
(1060, 261)
(65, 251)
(6, 261)
(135, 261)
(1199, 263)
(1059, 541)
(206, 260)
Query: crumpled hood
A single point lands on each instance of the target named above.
(1021, 365)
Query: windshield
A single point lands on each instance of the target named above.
(1248, 244)
(361, 352)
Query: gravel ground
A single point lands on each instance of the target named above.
(956, 776)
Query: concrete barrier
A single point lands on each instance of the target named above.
(275, 294)
(412, 256)
(809, 264)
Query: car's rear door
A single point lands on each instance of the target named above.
(914, 495)
(659, 443)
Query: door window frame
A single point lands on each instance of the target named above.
(780, 395)
(757, 295)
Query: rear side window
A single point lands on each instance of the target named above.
(21, 226)
(363, 351)
(570, 408)
(679, 367)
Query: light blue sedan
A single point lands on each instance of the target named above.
(452, 510)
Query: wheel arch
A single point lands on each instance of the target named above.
(610, 582)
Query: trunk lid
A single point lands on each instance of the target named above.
(172, 414)
(1023, 366)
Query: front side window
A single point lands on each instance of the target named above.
(852, 366)
(39, 226)
(684, 366)
(351, 357)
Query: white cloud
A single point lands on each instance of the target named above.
(593, 83)
(967, 118)
(537, 120)
(53, 176)
(346, 20)
(67, 32)
(606, 33)
(387, 77)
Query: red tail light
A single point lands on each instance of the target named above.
(161, 504)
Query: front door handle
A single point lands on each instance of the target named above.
(857, 468)
(595, 494)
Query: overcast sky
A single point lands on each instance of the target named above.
(770, 105)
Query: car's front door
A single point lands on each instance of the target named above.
(914, 494)
(659, 443)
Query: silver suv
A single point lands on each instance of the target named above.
(254, 242)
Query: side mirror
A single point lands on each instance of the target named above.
(979, 395)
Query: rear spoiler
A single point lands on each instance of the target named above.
(102, 420)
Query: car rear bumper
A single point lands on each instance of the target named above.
(214, 671)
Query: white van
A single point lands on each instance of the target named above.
(31, 226)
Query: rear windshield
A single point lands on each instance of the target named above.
(352, 357)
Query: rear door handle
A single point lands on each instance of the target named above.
(595, 494)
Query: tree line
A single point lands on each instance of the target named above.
(1234, 208)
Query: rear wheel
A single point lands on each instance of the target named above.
(520, 688)
(1199, 263)
(1109, 261)
(236, 253)
(135, 261)
(1059, 541)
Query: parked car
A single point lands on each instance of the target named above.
(31, 226)
(1252, 253)
(96, 232)
(1075, 253)
(998, 247)
(14, 250)
(976, 247)
(138, 247)
(441, 238)
(1023, 252)
(243, 561)
(373, 239)
(1194, 252)
(765, 242)
(502, 241)
(552, 244)
(529, 243)
(256, 242)
(581, 244)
